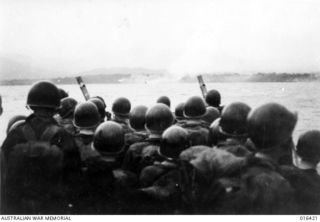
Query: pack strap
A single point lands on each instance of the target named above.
(29, 133)
(47, 136)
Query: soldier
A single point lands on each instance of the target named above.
(194, 110)
(268, 190)
(137, 120)
(86, 119)
(103, 179)
(109, 141)
(43, 99)
(201, 168)
(142, 154)
(230, 130)
(218, 182)
(66, 112)
(270, 128)
(164, 100)
(121, 109)
(304, 176)
(213, 98)
(161, 181)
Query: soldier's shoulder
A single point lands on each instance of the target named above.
(138, 146)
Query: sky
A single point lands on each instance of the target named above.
(181, 36)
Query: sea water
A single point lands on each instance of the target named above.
(302, 97)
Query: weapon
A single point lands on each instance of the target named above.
(202, 86)
(83, 87)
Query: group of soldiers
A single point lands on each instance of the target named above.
(203, 158)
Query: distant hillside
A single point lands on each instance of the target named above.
(259, 77)
(96, 79)
(142, 78)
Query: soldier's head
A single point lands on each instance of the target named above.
(44, 98)
(270, 128)
(121, 108)
(173, 141)
(158, 118)
(109, 139)
(68, 105)
(213, 98)
(307, 153)
(211, 115)
(164, 100)
(86, 118)
(137, 118)
(233, 121)
(194, 108)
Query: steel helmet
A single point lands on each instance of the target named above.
(86, 115)
(194, 107)
(179, 111)
(211, 114)
(14, 120)
(62, 93)
(68, 105)
(308, 146)
(109, 138)
(137, 117)
(234, 119)
(121, 107)
(270, 124)
(164, 100)
(213, 98)
(100, 105)
(101, 99)
(43, 94)
(158, 118)
(173, 141)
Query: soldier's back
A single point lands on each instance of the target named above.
(199, 132)
(142, 154)
(306, 184)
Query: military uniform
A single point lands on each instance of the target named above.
(142, 154)
(67, 124)
(36, 129)
(306, 187)
(85, 148)
(124, 123)
(135, 137)
(198, 130)
(220, 183)
(41, 128)
(161, 182)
